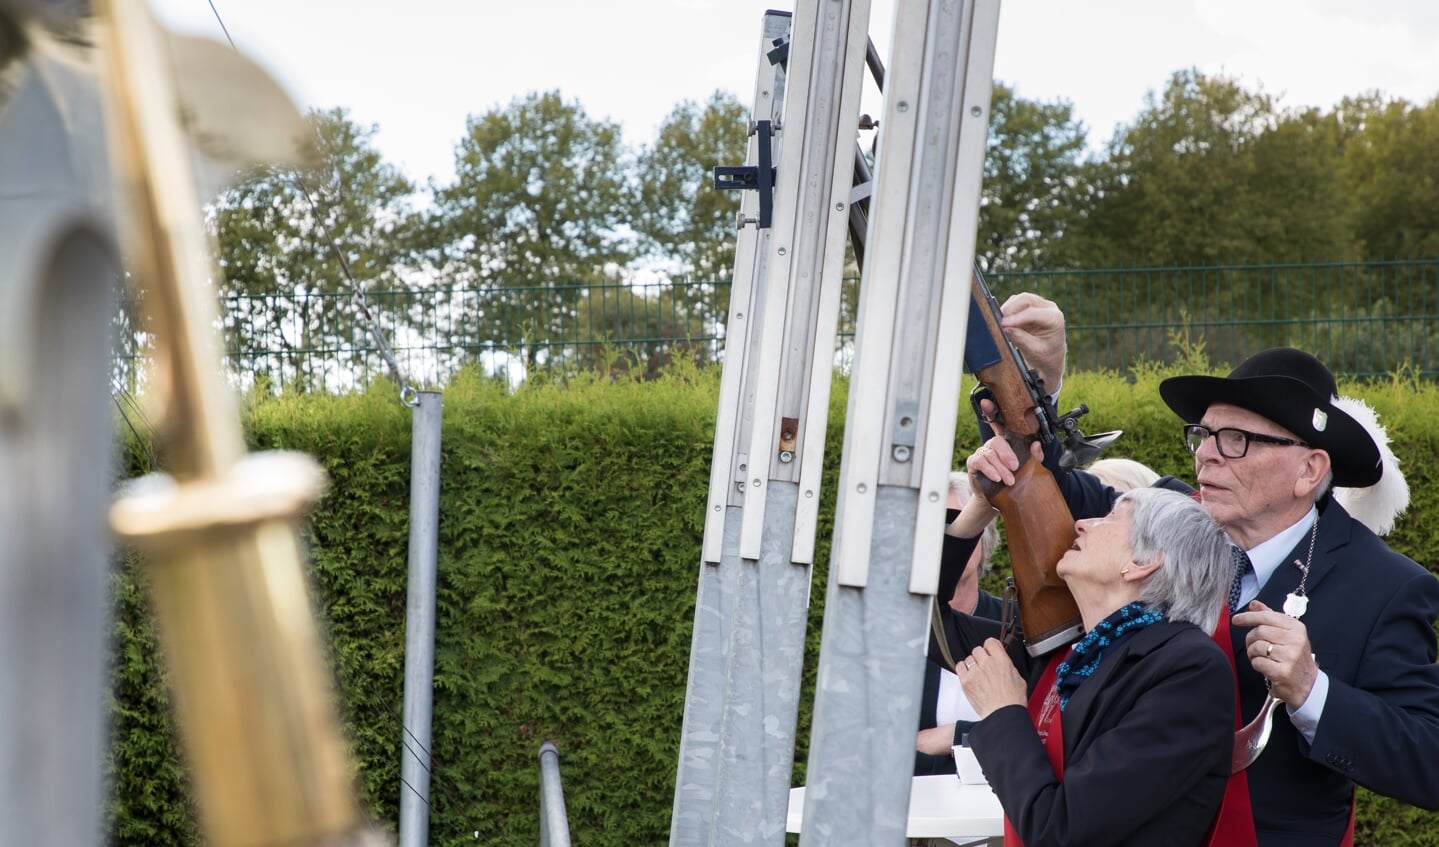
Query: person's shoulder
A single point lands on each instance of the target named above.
(989, 606)
(1180, 652)
(1380, 561)
(1180, 636)
(1197, 651)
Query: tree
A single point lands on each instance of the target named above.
(1213, 174)
(683, 221)
(1293, 203)
(1392, 172)
(1168, 192)
(294, 245)
(540, 209)
(1037, 183)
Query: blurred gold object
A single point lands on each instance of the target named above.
(251, 687)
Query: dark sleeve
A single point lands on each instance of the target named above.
(926, 764)
(1086, 495)
(950, 571)
(1382, 730)
(1174, 484)
(965, 632)
(1159, 736)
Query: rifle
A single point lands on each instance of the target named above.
(1038, 525)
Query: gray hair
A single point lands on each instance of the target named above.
(989, 539)
(1190, 584)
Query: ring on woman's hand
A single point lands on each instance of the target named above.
(1269, 650)
(969, 663)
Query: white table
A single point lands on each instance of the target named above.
(939, 807)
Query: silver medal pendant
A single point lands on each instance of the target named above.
(1295, 604)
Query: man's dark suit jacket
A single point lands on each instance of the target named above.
(1370, 620)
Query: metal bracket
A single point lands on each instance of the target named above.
(758, 177)
(780, 54)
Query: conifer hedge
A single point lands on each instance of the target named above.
(570, 524)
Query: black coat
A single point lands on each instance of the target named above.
(1147, 744)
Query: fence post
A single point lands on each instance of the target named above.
(554, 823)
(420, 621)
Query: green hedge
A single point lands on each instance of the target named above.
(570, 526)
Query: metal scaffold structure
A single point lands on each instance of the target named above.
(738, 741)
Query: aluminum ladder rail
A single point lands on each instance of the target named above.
(742, 700)
(900, 424)
(693, 818)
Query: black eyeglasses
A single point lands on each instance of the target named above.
(1232, 443)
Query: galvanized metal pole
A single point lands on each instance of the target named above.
(554, 822)
(420, 621)
(790, 413)
(737, 754)
(707, 690)
(899, 430)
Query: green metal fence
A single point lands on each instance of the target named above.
(1362, 319)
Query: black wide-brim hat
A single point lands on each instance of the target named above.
(1296, 391)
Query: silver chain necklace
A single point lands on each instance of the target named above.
(1298, 601)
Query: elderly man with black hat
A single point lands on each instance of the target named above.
(1337, 625)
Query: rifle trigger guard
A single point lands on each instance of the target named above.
(982, 392)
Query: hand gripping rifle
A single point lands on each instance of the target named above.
(1038, 525)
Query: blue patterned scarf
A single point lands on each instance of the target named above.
(1085, 655)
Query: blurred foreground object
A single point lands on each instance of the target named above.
(59, 270)
(249, 679)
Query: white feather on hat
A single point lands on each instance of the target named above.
(1380, 504)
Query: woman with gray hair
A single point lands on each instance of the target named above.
(1125, 738)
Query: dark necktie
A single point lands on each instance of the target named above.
(1242, 566)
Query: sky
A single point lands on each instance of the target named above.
(417, 69)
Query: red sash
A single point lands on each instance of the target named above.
(1044, 713)
(1227, 828)
(1234, 825)
(1348, 839)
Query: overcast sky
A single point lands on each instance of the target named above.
(418, 68)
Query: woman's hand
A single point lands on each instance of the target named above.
(989, 679)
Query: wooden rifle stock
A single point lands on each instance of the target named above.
(1038, 526)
